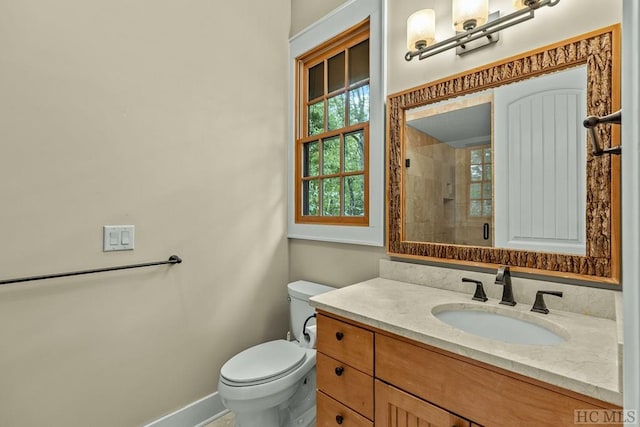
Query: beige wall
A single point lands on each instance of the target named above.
(567, 19)
(306, 12)
(144, 113)
(331, 263)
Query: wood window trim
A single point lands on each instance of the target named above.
(341, 43)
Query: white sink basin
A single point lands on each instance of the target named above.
(500, 325)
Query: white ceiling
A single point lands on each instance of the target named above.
(460, 128)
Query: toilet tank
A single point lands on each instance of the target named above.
(299, 308)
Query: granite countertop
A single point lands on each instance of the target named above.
(586, 363)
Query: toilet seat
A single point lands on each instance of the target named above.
(263, 363)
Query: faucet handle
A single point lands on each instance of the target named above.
(539, 305)
(479, 294)
(503, 271)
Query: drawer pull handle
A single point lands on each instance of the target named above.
(339, 419)
(339, 336)
(339, 370)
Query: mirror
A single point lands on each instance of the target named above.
(469, 158)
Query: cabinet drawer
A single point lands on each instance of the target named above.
(348, 343)
(485, 396)
(332, 414)
(345, 384)
(396, 408)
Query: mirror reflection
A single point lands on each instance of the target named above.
(449, 195)
(500, 168)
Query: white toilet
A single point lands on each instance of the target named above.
(274, 384)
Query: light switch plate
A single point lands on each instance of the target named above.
(118, 238)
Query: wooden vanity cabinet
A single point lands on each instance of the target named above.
(413, 384)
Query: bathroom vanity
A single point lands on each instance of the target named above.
(384, 359)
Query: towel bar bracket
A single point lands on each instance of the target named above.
(591, 122)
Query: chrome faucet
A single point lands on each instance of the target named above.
(503, 278)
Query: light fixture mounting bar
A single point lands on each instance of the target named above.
(485, 30)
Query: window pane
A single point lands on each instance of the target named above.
(486, 208)
(476, 157)
(310, 159)
(335, 119)
(316, 118)
(487, 155)
(476, 172)
(331, 156)
(310, 197)
(316, 81)
(354, 152)
(359, 62)
(486, 190)
(354, 195)
(336, 72)
(359, 105)
(475, 191)
(475, 208)
(487, 172)
(331, 197)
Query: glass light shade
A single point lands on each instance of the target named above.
(421, 29)
(521, 4)
(468, 14)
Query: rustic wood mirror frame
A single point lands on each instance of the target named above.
(600, 52)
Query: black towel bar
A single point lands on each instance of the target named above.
(173, 259)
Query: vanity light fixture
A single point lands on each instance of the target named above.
(472, 22)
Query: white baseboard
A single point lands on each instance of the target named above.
(195, 414)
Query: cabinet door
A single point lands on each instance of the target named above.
(395, 408)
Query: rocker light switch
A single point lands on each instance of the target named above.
(118, 238)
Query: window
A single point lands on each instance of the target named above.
(332, 144)
(480, 174)
(335, 172)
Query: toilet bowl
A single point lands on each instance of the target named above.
(273, 384)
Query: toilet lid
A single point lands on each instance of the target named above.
(263, 362)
